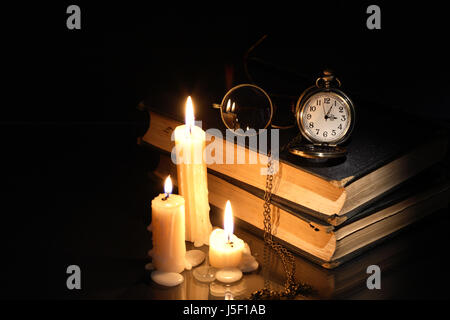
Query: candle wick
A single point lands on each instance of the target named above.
(190, 129)
(229, 240)
(165, 198)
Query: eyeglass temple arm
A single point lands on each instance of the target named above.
(282, 127)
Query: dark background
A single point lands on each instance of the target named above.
(74, 188)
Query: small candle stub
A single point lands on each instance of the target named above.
(221, 253)
(225, 249)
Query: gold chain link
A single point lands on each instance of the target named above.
(291, 287)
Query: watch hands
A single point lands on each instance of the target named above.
(326, 116)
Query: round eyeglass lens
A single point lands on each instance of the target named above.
(246, 107)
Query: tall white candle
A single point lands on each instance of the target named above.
(192, 178)
(169, 247)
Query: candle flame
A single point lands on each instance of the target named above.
(233, 106)
(228, 221)
(168, 185)
(189, 112)
(228, 106)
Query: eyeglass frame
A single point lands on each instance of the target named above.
(269, 122)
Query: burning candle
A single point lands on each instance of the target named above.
(192, 178)
(225, 249)
(169, 247)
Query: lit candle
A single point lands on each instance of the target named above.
(225, 249)
(169, 247)
(192, 178)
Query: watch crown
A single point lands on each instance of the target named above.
(327, 77)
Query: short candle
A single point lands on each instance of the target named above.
(169, 248)
(225, 249)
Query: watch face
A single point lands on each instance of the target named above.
(325, 117)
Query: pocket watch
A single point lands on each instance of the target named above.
(325, 116)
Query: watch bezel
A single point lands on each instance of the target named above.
(300, 110)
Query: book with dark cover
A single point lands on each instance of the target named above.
(381, 134)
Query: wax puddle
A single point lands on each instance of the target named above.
(195, 257)
(229, 275)
(248, 263)
(167, 279)
(204, 273)
(229, 291)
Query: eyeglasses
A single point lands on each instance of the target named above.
(246, 107)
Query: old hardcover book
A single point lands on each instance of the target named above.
(325, 244)
(379, 160)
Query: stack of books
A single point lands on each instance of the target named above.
(393, 176)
